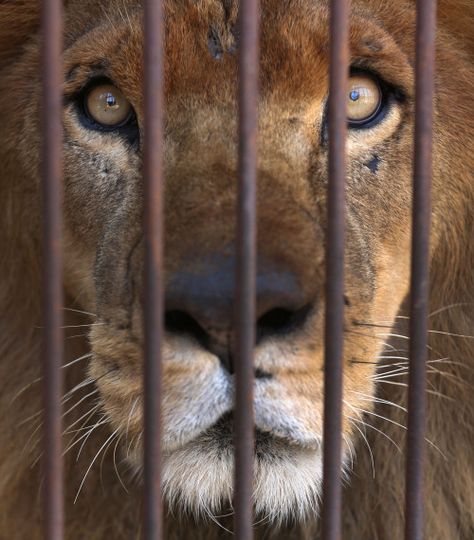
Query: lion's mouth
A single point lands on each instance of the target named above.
(223, 435)
(201, 472)
(223, 431)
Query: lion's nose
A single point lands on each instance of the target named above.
(200, 304)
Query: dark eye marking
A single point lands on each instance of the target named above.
(260, 374)
(373, 164)
(214, 44)
(222, 39)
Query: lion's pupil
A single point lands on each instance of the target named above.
(111, 101)
(354, 95)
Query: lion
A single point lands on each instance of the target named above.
(104, 252)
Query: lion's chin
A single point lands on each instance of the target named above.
(198, 477)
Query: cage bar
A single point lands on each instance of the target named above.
(334, 327)
(153, 293)
(419, 297)
(249, 17)
(51, 172)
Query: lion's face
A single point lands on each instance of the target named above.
(105, 246)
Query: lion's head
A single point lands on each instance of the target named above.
(104, 243)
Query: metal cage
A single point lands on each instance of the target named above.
(153, 181)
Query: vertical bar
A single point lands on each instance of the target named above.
(51, 165)
(249, 18)
(153, 301)
(425, 58)
(333, 361)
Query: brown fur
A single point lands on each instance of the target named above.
(104, 253)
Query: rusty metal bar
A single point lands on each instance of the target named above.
(249, 18)
(51, 173)
(153, 294)
(335, 239)
(419, 299)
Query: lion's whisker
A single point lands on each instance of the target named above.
(83, 325)
(394, 372)
(77, 336)
(392, 348)
(367, 397)
(83, 384)
(450, 306)
(400, 426)
(80, 311)
(371, 413)
(130, 414)
(453, 376)
(451, 334)
(370, 426)
(406, 371)
(95, 391)
(31, 417)
(90, 412)
(24, 389)
(102, 420)
(87, 435)
(129, 447)
(358, 412)
(74, 441)
(30, 438)
(114, 458)
(38, 379)
(353, 422)
(350, 448)
(393, 335)
(72, 362)
(117, 437)
(92, 463)
(211, 517)
(86, 382)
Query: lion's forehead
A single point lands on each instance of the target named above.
(202, 43)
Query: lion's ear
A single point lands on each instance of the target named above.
(457, 16)
(18, 20)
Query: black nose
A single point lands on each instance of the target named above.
(200, 303)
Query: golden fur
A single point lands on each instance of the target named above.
(103, 267)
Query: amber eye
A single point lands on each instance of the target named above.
(364, 99)
(107, 106)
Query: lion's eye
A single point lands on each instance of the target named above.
(107, 106)
(364, 99)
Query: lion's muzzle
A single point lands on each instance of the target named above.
(201, 296)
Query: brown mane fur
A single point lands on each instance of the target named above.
(374, 506)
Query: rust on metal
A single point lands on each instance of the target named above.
(334, 337)
(419, 296)
(153, 293)
(51, 172)
(246, 266)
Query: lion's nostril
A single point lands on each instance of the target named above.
(275, 320)
(179, 322)
(280, 321)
